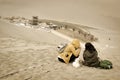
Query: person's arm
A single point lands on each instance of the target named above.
(75, 52)
(94, 57)
(84, 55)
(78, 51)
(67, 57)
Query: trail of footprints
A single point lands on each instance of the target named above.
(18, 51)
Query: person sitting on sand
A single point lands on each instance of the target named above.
(90, 56)
(70, 52)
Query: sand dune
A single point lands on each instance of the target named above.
(30, 54)
(28, 34)
(104, 13)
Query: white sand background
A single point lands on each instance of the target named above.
(28, 54)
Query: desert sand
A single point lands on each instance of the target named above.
(30, 54)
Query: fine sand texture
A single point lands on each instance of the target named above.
(30, 54)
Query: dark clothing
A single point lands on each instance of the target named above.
(61, 60)
(90, 57)
(71, 59)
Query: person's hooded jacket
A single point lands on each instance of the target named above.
(72, 48)
(90, 56)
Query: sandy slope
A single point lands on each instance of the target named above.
(24, 56)
(27, 54)
(23, 49)
(28, 34)
(103, 13)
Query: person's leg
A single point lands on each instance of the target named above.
(61, 60)
(95, 64)
(73, 58)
